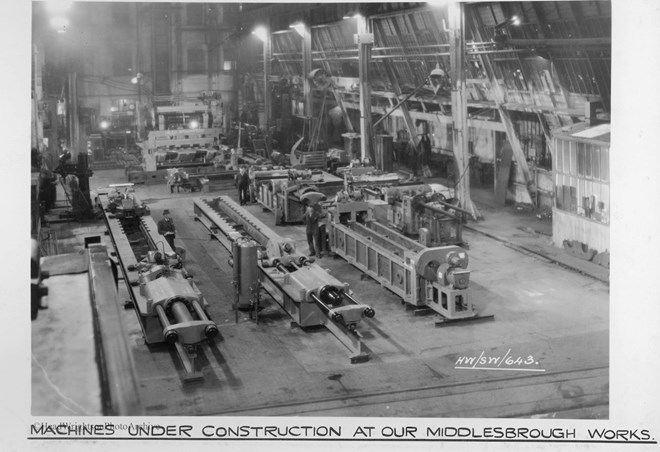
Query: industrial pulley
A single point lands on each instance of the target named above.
(320, 79)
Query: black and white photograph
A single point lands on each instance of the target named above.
(293, 225)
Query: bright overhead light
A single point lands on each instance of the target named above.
(437, 72)
(260, 32)
(299, 27)
(515, 20)
(104, 124)
(194, 124)
(352, 16)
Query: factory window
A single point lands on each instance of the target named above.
(582, 157)
(196, 63)
(582, 180)
(605, 165)
(122, 61)
(596, 162)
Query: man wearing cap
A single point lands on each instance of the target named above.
(166, 228)
(243, 184)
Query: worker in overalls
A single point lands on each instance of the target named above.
(166, 228)
(243, 184)
(311, 219)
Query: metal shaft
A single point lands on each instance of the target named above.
(171, 336)
(368, 311)
(162, 316)
(323, 306)
(282, 268)
(350, 299)
(198, 309)
(437, 209)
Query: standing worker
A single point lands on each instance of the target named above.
(166, 228)
(243, 184)
(424, 153)
(311, 219)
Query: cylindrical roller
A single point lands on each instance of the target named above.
(180, 312)
(330, 295)
(246, 270)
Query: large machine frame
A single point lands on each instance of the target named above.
(429, 277)
(283, 191)
(169, 306)
(307, 292)
(422, 211)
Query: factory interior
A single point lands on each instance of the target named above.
(321, 209)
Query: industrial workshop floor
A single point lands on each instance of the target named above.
(555, 315)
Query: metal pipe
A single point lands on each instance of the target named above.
(411, 56)
(436, 209)
(371, 192)
(382, 118)
(561, 42)
(433, 208)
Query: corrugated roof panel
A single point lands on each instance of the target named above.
(565, 10)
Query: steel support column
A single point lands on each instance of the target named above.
(365, 43)
(307, 68)
(460, 135)
(268, 51)
(72, 112)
